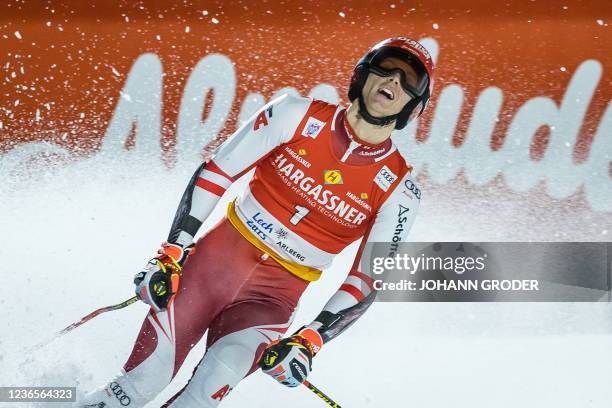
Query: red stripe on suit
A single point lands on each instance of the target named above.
(210, 186)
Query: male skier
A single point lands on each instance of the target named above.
(325, 176)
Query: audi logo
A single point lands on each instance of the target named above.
(123, 398)
(412, 187)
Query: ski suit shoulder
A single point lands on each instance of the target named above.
(273, 125)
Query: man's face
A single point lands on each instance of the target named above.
(385, 96)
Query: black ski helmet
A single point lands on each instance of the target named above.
(413, 53)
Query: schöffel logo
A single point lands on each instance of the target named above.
(402, 217)
(121, 396)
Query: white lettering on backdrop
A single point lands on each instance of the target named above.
(140, 106)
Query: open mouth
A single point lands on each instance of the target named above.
(387, 93)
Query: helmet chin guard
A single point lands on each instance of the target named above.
(383, 121)
(411, 110)
(411, 52)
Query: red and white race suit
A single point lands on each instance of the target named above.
(316, 189)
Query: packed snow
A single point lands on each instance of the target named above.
(75, 233)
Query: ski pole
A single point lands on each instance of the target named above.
(321, 394)
(86, 319)
(98, 312)
(134, 299)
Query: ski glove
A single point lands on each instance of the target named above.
(289, 360)
(158, 282)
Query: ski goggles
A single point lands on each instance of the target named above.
(383, 65)
(408, 86)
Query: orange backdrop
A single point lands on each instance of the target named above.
(58, 58)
